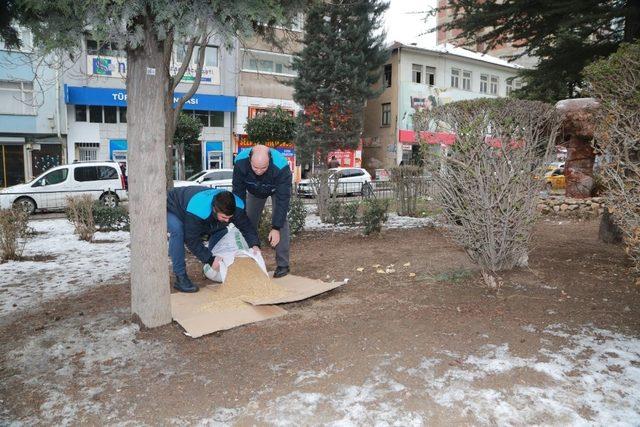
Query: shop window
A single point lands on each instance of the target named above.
(12, 163)
(123, 114)
(387, 75)
(95, 114)
(217, 119)
(111, 114)
(81, 113)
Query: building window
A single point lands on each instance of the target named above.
(494, 85)
(466, 80)
(258, 61)
(111, 114)
(416, 73)
(386, 114)
(430, 75)
(216, 119)
(17, 98)
(484, 80)
(95, 114)
(387, 75)
(210, 56)
(509, 84)
(102, 48)
(100, 114)
(87, 151)
(455, 77)
(203, 116)
(81, 113)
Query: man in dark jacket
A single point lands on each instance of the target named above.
(195, 211)
(259, 173)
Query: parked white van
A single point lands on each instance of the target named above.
(103, 181)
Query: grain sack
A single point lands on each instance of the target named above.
(231, 246)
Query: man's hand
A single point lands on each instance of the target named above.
(215, 264)
(256, 250)
(274, 237)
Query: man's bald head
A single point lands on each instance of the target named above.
(260, 159)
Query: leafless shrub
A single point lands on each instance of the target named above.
(14, 231)
(408, 185)
(80, 214)
(486, 182)
(615, 83)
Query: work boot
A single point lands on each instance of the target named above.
(184, 284)
(280, 272)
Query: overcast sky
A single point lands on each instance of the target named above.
(403, 22)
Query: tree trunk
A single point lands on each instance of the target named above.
(181, 166)
(170, 130)
(147, 87)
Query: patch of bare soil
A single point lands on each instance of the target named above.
(36, 258)
(417, 299)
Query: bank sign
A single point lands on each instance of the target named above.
(111, 66)
(82, 95)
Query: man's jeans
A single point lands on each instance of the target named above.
(176, 243)
(255, 207)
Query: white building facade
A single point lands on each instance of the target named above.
(417, 78)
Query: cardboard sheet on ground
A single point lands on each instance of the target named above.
(194, 314)
(298, 288)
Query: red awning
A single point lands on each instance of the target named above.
(440, 138)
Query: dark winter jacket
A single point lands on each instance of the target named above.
(276, 182)
(194, 206)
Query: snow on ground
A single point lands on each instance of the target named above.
(588, 377)
(395, 221)
(77, 265)
(79, 368)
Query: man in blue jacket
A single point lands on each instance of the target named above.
(195, 211)
(259, 173)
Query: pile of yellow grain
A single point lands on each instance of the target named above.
(244, 279)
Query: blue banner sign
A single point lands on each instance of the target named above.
(76, 95)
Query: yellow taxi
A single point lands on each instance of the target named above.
(554, 180)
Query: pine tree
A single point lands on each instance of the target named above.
(343, 55)
(565, 35)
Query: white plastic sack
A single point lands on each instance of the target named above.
(232, 245)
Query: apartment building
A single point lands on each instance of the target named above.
(96, 104)
(32, 136)
(264, 71)
(416, 78)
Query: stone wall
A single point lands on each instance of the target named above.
(567, 206)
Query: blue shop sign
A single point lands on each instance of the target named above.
(76, 95)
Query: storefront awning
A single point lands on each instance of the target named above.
(440, 138)
(82, 95)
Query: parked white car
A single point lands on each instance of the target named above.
(213, 178)
(350, 181)
(103, 181)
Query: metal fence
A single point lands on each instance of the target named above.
(351, 191)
